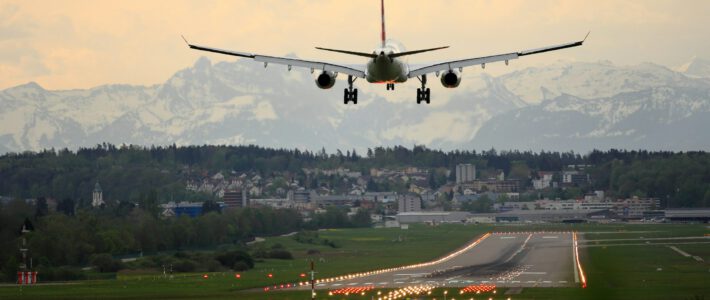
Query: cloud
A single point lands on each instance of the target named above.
(264, 111)
(85, 43)
(437, 126)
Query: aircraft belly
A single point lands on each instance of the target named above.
(386, 72)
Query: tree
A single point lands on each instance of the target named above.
(210, 206)
(361, 218)
(106, 263)
(41, 207)
(66, 206)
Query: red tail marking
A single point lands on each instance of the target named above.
(382, 5)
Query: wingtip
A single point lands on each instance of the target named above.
(184, 39)
(586, 36)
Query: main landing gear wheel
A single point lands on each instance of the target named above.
(390, 86)
(423, 93)
(350, 94)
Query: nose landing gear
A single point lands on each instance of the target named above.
(390, 86)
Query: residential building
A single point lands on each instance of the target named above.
(575, 178)
(497, 186)
(235, 198)
(465, 173)
(545, 180)
(409, 203)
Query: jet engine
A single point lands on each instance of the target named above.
(450, 79)
(325, 80)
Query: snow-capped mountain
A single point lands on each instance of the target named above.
(565, 106)
(241, 102)
(658, 118)
(696, 68)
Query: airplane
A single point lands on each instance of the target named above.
(384, 65)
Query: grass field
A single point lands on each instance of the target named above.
(614, 272)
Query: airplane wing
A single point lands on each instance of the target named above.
(313, 65)
(456, 64)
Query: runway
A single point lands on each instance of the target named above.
(542, 259)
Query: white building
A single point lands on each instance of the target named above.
(97, 197)
(465, 173)
(544, 182)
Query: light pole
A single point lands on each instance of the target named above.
(445, 292)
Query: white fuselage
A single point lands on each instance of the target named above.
(384, 69)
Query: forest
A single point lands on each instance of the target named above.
(138, 174)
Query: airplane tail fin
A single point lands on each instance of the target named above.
(383, 36)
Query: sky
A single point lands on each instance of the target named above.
(81, 44)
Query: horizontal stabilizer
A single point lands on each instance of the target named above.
(370, 55)
(416, 51)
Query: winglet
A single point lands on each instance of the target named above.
(186, 42)
(585, 37)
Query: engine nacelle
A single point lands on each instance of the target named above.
(451, 79)
(325, 80)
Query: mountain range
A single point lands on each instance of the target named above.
(564, 106)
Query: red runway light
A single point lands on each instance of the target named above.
(270, 275)
(238, 275)
(205, 276)
(302, 275)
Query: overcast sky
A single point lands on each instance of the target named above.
(82, 44)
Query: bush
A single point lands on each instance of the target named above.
(280, 254)
(60, 274)
(306, 237)
(213, 266)
(240, 266)
(313, 251)
(106, 263)
(330, 243)
(185, 265)
(229, 259)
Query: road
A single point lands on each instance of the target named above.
(503, 259)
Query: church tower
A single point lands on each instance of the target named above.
(97, 198)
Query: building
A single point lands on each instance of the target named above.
(299, 195)
(545, 180)
(496, 186)
(575, 178)
(433, 217)
(235, 198)
(336, 200)
(465, 173)
(190, 209)
(381, 197)
(688, 215)
(409, 203)
(97, 197)
(635, 207)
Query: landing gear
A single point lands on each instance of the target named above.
(423, 93)
(350, 93)
(390, 86)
